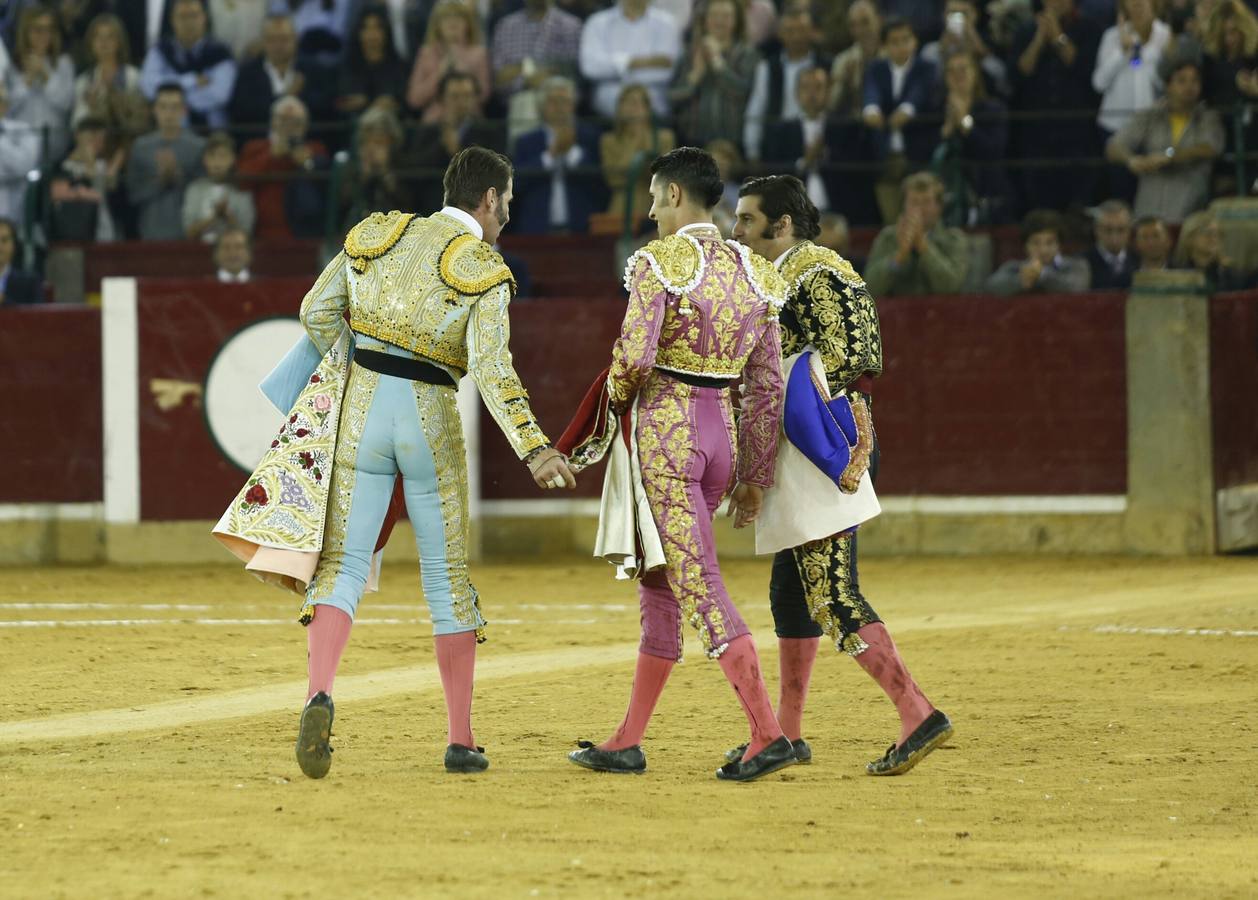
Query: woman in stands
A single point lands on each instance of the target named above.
(453, 43)
(713, 81)
(634, 141)
(41, 81)
(373, 74)
(109, 89)
(1200, 247)
(975, 132)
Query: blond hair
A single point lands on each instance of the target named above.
(1193, 226)
(443, 11)
(1228, 11)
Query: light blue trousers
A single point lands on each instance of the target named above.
(390, 425)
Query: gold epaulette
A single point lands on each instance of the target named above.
(807, 258)
(375, 236)
(472, 267)
(765, 279)
(676, 260)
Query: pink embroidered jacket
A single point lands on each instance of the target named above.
(699, 305)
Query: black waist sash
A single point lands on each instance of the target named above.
(697, 380)
(404, 367)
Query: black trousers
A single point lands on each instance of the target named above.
(815, 589)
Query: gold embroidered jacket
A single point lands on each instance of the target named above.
(828, 306)
(699, 305)
(431, 287)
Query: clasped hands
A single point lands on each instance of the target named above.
(550, 470)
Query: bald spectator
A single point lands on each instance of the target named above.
(1111, 259)
(918, 255)
(631, 43)
(553, 193)
(773, 90)
(276, 73)
(233, 254)
(203, 67)
(1045, 269)
(289, 203)
(161, 165)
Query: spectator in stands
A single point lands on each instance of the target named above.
(203, 67)
(109, 89)
(74, 17)
(529, 46)
(713, 80)
(373, 74)
(847, 76)
(435, 143)
(407, 21)
(1054, 57)
(1110, 259)
(16, 286)
(1230, 55)
(631, 43)
(1200, 247)
(1126, 71)
(836, 236)
(371, 182)
(81, 186)
(453, 44)
(277, 73)
(918, 255)
(1153, 244)
(1044, 270)
(773, 92)
(975, 136)
(233, 253)
(898, 89)
(212, 204)
(557, 178)
(802, 145)
(1171, 148)
(160, 166)
(41, 80)
(731, 165)
(961, 36)
(322, 29)
(20, 146)
(238, 24)
(288, 202)
(633, 142)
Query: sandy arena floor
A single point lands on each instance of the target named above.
(1105, 746)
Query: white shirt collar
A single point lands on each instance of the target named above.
(777, 263)
(240, 277)
(697, 226)
(465, 218)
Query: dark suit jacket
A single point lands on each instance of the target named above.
(427, 152)
(252, 96)
(918, 91)
(134, 15)
(586, 192)
(784, 147)
(23, 287)
(1104, 278)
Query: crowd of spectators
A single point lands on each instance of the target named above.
(213, 120)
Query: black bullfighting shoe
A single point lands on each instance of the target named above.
(932, 733)
(778, 755)
(803, 752)
(630, 760)
(314, 752)
(466, 759)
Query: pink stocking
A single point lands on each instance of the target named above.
(456, 658)
(741, 666)
(326, 636)
(648, 683)
(882, 662)
(795, 659)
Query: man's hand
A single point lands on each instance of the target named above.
(550, 470)
(565, 138)
(899, 119)
(873, 119)
(1029, 274)
(906, 236)
(745, 503)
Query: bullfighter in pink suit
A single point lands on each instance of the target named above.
(702, 311)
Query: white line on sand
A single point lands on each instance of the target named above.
(1207, 632)
(139, 623)
(286, 697)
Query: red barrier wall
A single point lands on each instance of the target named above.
(50, 419)
(1234, 387)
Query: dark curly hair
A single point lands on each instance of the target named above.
(694, 171)
(785, 195)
